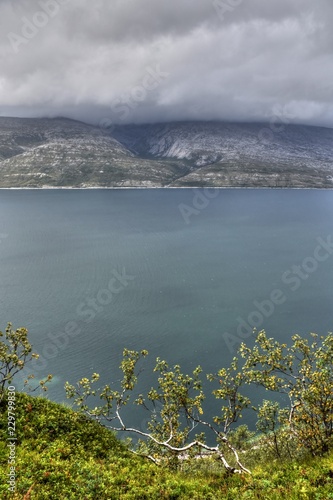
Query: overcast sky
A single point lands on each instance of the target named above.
(122, 61)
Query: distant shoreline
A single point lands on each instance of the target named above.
(50, 188)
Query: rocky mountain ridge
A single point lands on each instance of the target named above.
(61, 152)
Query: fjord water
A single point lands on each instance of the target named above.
(184, 286)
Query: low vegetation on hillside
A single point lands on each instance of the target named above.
(60, 453)
(58, 152)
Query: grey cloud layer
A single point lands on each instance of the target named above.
(212, 59)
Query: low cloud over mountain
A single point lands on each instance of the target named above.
(136, 61)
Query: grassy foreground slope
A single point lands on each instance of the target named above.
(62, 455)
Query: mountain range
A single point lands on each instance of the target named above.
(59, 152)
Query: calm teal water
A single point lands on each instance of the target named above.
(123, 268)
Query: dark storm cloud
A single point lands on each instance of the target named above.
(151, 60)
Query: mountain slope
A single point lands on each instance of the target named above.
(245, 154)
(61, 152)
(66, 153)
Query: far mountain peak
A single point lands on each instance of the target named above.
(41, 152)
